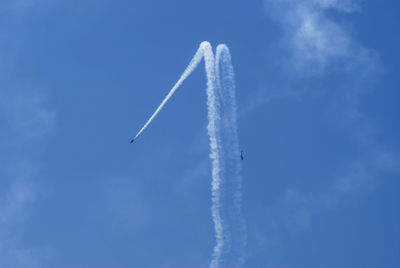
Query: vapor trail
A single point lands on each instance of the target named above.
(224, 153)
(189, 69)
(232, 164)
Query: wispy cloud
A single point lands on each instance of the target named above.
(27, 116)
(315, 40)
(355, 180)
(27, 121)
(26, 124)
(316, 44)
(14, 202)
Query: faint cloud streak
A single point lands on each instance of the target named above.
(316, 42)
(315, 45)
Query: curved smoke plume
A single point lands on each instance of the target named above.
(225, 153)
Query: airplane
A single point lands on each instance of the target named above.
(132, 140)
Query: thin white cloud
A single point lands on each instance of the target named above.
(27, 122)
(13, 204)
(27, 116)
(316, 44)
(314, 40)
(357, 179)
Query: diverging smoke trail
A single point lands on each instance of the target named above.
(189, 69)
(230, 232)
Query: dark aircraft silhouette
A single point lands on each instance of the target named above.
(132, 140)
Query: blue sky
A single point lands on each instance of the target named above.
(318, 122)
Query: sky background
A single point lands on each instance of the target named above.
(318, 123)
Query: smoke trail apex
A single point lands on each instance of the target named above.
(205, 45)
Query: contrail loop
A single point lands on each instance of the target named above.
(216, 97)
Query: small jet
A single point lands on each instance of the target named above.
(132, 140)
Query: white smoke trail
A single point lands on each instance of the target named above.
(189, 69)
(213, 129)
(226, 88)
(216, 98)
